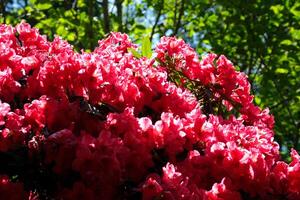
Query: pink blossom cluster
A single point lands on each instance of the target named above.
(108, 125)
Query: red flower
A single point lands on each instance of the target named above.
(108, 125)
(10, 190)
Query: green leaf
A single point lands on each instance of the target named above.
(296, 10)
(43, 6)
(295, 33)
(61, 31)
(138, 26)
(257, 100)
(277, 8)
(281, 71)
(71, 37)
(134, 53)
(286, 42)
(146, 47)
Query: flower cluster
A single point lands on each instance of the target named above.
(108, 125)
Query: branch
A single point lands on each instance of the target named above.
(297, 135)
(175, 14)
(156, 20)
(283, 101)
(2, 10)
(127, 18)
(178, 22)
(106, 16)
(203, 93)
(119, 14)
(90, 27)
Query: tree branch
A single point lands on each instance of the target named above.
(74, 12)
(178, 21)
(156, 20)
(297, 135)
(119, 14)
(175, 14)
(106, 16)
(2, 9)
(90, 27)
(283, 101)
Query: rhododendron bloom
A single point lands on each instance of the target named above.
(109, 125)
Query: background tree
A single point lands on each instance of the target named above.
(260, 37)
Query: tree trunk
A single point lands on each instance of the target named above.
(119, 14)
(106, 16)
(90, 26)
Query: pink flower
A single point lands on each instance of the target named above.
(294, 173)
(108, 125)
(4, 109)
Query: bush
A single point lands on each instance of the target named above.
(113, 124)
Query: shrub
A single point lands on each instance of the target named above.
(112, 124)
